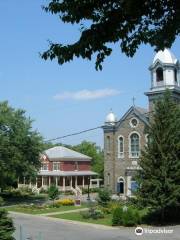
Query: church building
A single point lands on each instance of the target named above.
(124, 138)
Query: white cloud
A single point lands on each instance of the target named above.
(87, 94)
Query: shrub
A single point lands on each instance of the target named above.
(64, 202)
(104, 197)
(93, 213)
(1, 201)
(6, 226)
(53, 192)
(117, 216)
(85, 214)
(128, 217)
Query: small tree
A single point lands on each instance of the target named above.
(104, 196)
(53, 192)
(6, 226)
(159, 177)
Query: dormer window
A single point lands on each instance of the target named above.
(159, 75)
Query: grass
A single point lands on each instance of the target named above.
(34, 211)
(76, 216)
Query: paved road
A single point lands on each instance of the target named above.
(55, 229)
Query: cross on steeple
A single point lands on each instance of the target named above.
(133, 99)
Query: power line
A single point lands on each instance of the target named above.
(73, 134)
(90, 129)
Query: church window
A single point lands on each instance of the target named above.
(134, 145)
(133, 122)
(108, 143)
(120, 185)
(134, 185)
(159, 74)
(120, 147)
(175, 75)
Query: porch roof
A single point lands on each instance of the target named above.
(67, 173)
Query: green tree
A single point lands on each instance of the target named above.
(92, 150)
(20, 145)
(53, 192)
(159, 177)
(6, 226)
(102, 22)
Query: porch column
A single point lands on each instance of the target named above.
(71, 182)
(90, 181)
(42, 182)
(49, 181)
(64, 187)
(56, 182)
(75, 181)
(83, 182)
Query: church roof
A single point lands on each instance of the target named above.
(60, 152)
(165, 56)
(140, 112)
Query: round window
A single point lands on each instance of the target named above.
(134, 122)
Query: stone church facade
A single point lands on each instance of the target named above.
(125, 138)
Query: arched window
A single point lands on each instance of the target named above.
(159, 74)
(175, 75)
(108, 143)
(120, 185)
(120, 147)
(134, 145)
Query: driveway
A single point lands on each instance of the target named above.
(55, 229)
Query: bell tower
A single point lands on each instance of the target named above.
(165, 74)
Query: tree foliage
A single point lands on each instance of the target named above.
(159, 177)
(20, 145)
(128, 22)
(6, 226)
(92, 150)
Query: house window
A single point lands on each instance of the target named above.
(134, 145)
(44, 167)
(108, 143)
(120, 147)
(56, 166)
(76, 166)
(120, 185)
(159, 74)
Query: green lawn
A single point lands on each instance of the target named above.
(76, 216)
(32, 210)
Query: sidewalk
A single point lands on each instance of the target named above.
(62, 212)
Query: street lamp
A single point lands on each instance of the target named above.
(88, 196)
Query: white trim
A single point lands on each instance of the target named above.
(120, 154)
(129, 138)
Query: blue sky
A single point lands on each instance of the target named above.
(69, 98)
